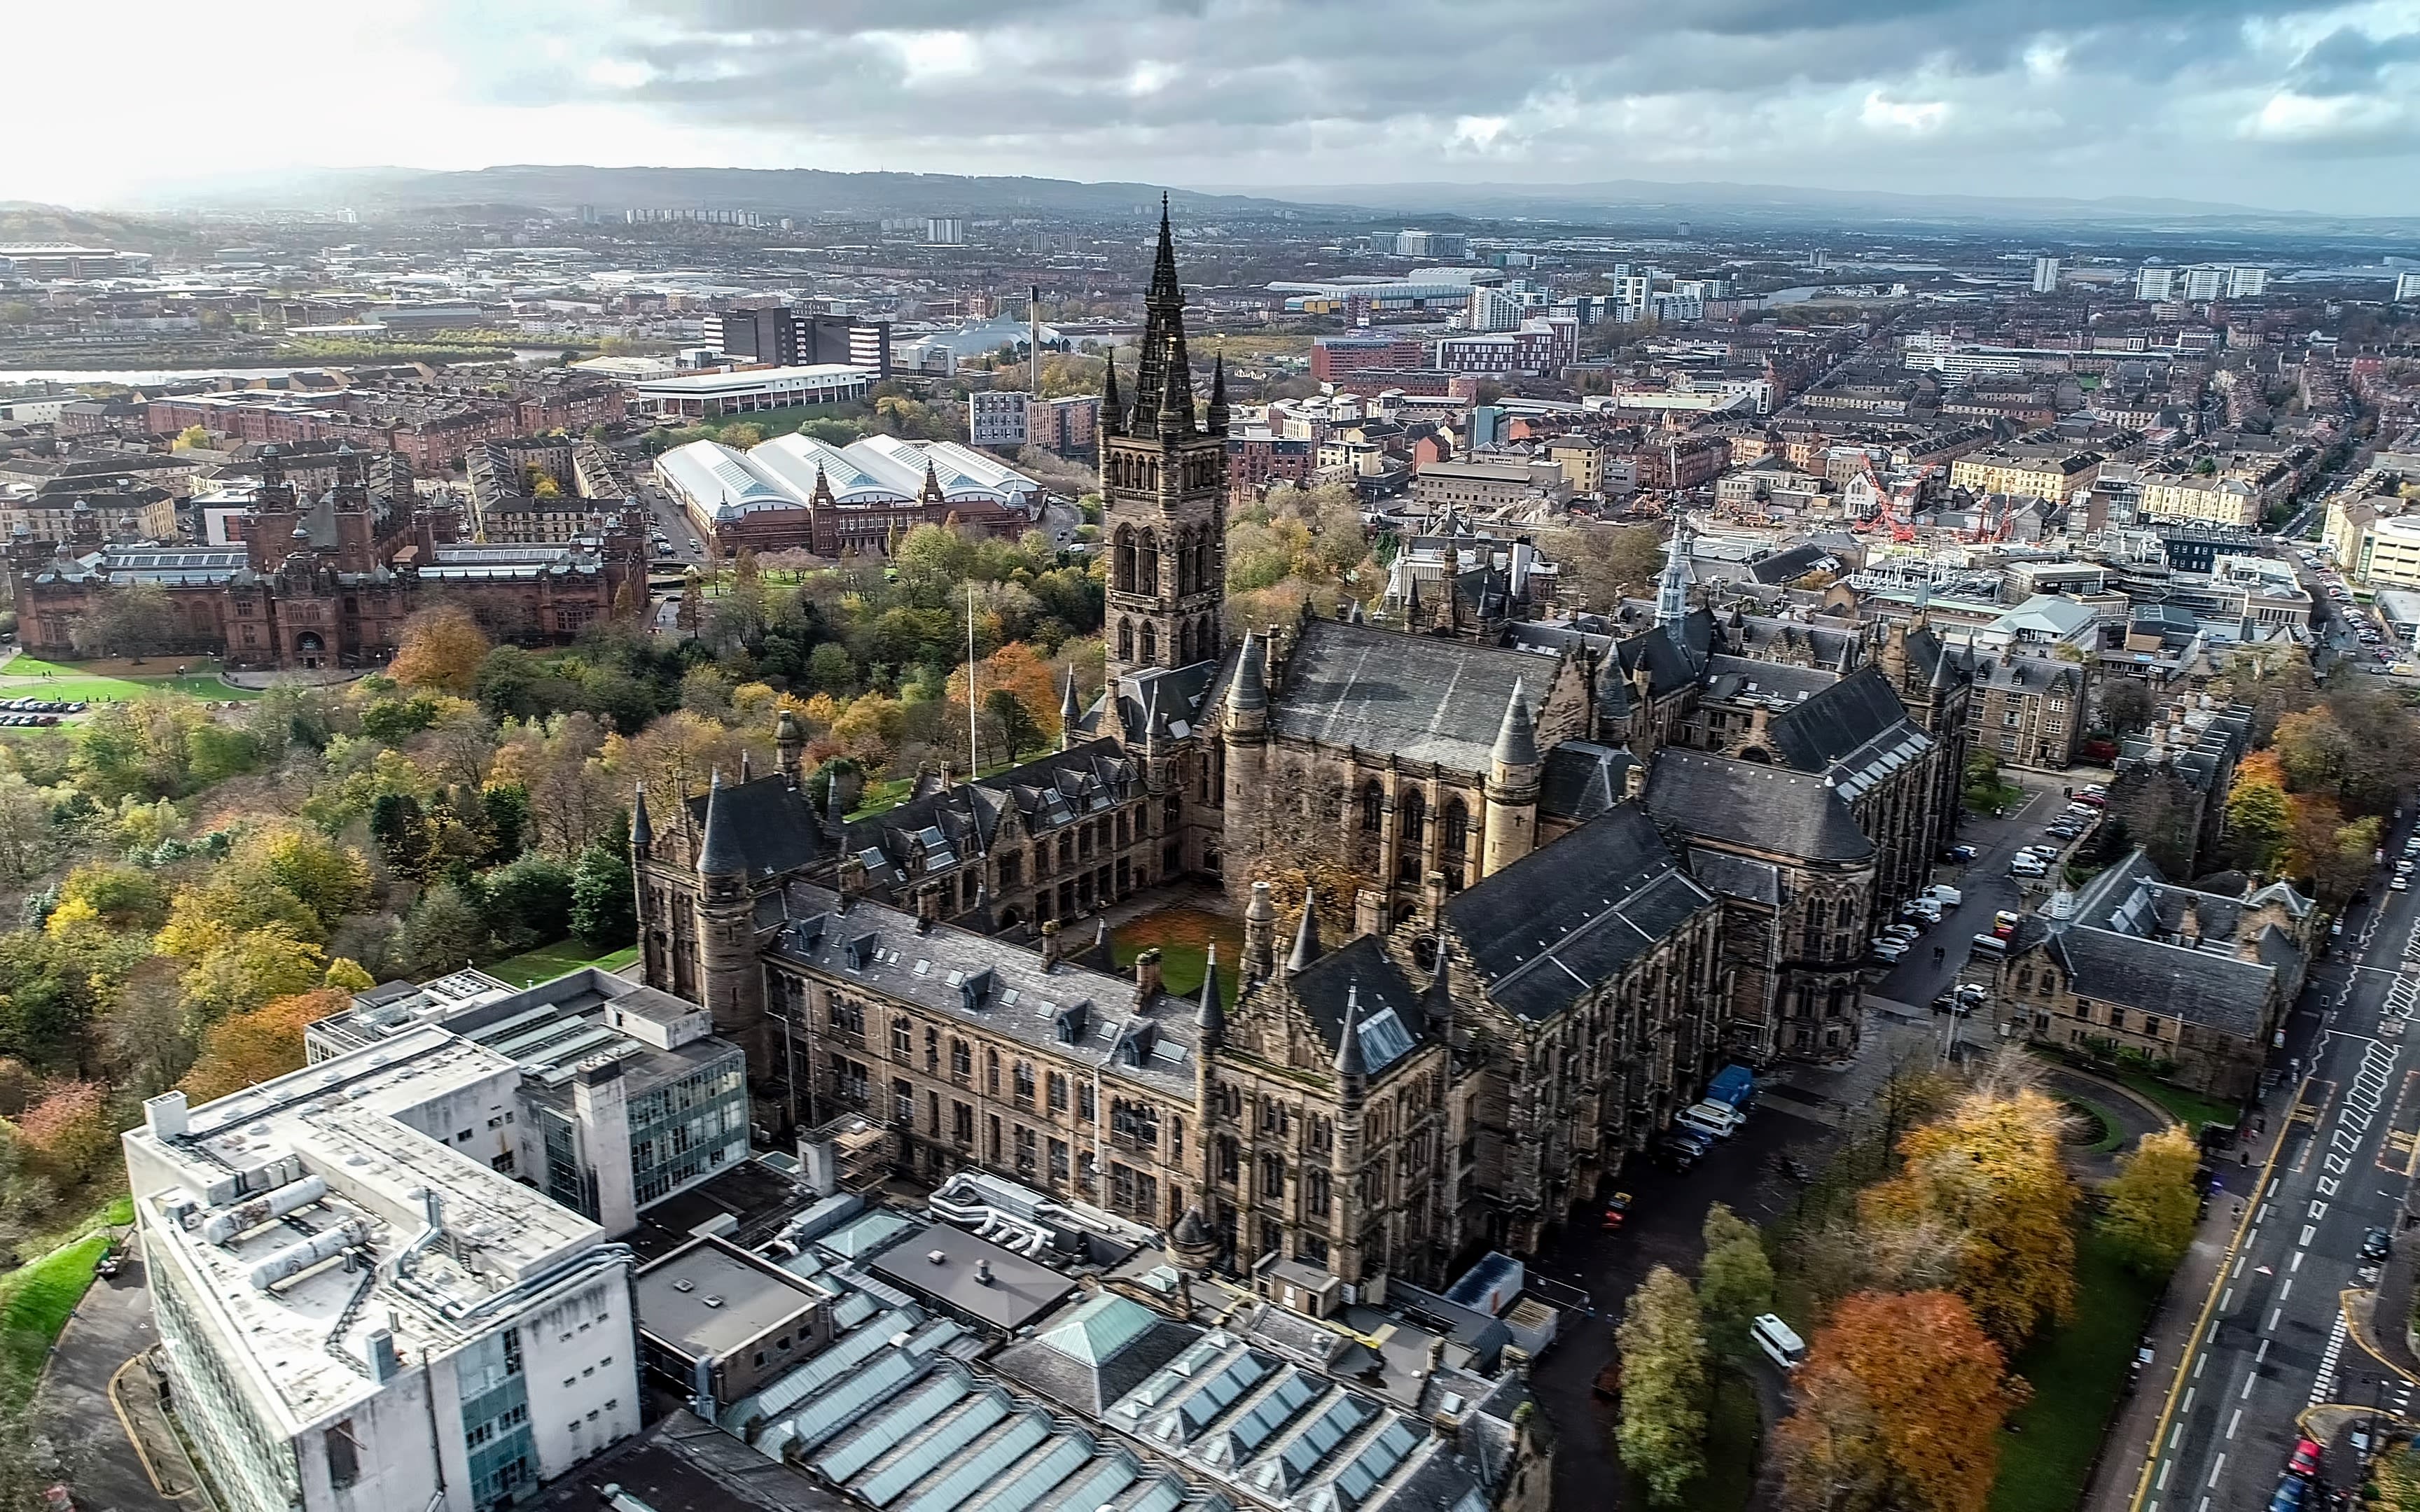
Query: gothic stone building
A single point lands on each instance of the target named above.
(1569, 867)
(328, 580)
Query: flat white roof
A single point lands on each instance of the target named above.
(812, 376)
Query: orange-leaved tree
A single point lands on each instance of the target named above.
(442, 647)
(244, 1048)
(1988, 1173)
(1901, 1404)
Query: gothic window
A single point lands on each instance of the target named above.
(1374, 806)
(1413, 818)
(1125, 640)
(1453, 834)
(1273, 1177)
(1202, 562)
(1147, 564)
(1184, 641)
(1315, 1189)
(1150, 644)
(1124, 568)
(1184, 562)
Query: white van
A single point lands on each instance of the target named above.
(1720, 1120)
(1779, 1341)
(1991, 945)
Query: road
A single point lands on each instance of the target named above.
(2272, 1338)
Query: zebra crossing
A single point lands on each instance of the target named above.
(2325, 1383)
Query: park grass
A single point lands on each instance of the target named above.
(549, 962)
(2078, 1373)
(2189, 1108)
(114, 681)
(1183, 937)
(34, 1304)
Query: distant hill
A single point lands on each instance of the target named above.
(768, 190)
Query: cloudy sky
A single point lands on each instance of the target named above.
(2268, 102)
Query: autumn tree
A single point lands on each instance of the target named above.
(2150, 1205)
(1663, 1430)
(2259, 822)
(441, 648)
(1608, 562)
(1899, 1405)
(68, 1133)
(245, 1049)
(1735, 1282)
(1988, 1172)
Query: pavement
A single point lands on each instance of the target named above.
(2256, 1332)
(97, 1394)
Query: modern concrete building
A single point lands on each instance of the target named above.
(361, 1308)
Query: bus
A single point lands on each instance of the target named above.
(1779, 1341)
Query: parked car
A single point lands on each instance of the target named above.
(1710, 1119)
(2305, 1460)
(1945, 897)
(2288, 1495)
(2375, 1245)
(1959, 853)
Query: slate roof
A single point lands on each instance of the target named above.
(944, 827)
(1727, 677)
(1559, 922)
(1761, 807)
(1381, 691)
(1581, 779)
(770, 821)
(1391, 1023)
(1788, 565)
(1736, 877)
(1855, 719)
(2202, 987)
(957, 974)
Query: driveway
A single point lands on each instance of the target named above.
(109, 1327)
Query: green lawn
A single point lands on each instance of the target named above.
(35, 1303)
(2113, 1133)
(26, 677)
(2189, 1108)
(1183, 937)
(549, 962)
(2077, 1374)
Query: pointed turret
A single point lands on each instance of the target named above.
(1175, 416)
(643, 832)
(1260, 935)
(790, 743)
(1070, 713)
(1350, 1062)
(1113, 413)
(1211, 1019)
(1250, 693)
(1513, 774)
(1516, 741)
(719, 854)
(1305, 937)
(1219, 394)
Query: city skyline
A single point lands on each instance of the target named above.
(2266, 103)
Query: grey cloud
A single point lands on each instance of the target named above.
(2349, 62)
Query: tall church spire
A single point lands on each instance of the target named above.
(1162, 380)
(1112, 412)
(1672, 591)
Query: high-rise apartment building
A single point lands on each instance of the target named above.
(2045, 275)
(2153, 283)
(777, 335)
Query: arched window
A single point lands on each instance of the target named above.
(1123, 567)
(1202, 562)
(1453, 833)
(1125, 640)
(1150, 644)
(1184, 562)
(1147, 564)
(1208, 642)
(1374, 806)
(1184, 640)
(1415, 811)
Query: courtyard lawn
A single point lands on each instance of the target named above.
(34, 1304)
(2078, 1373)
(115, 680)
(1183, 937)
(549, 962)
(2189, 1108)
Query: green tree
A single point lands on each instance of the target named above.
(604, 907)
(1735, 1284)
(528, 902)
(1663, 1430)
(445, 931)
(2149, 1205)
(1006, 712)
(2260, 821)
(2126, 705)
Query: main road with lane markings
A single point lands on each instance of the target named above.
(2273, 1339)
